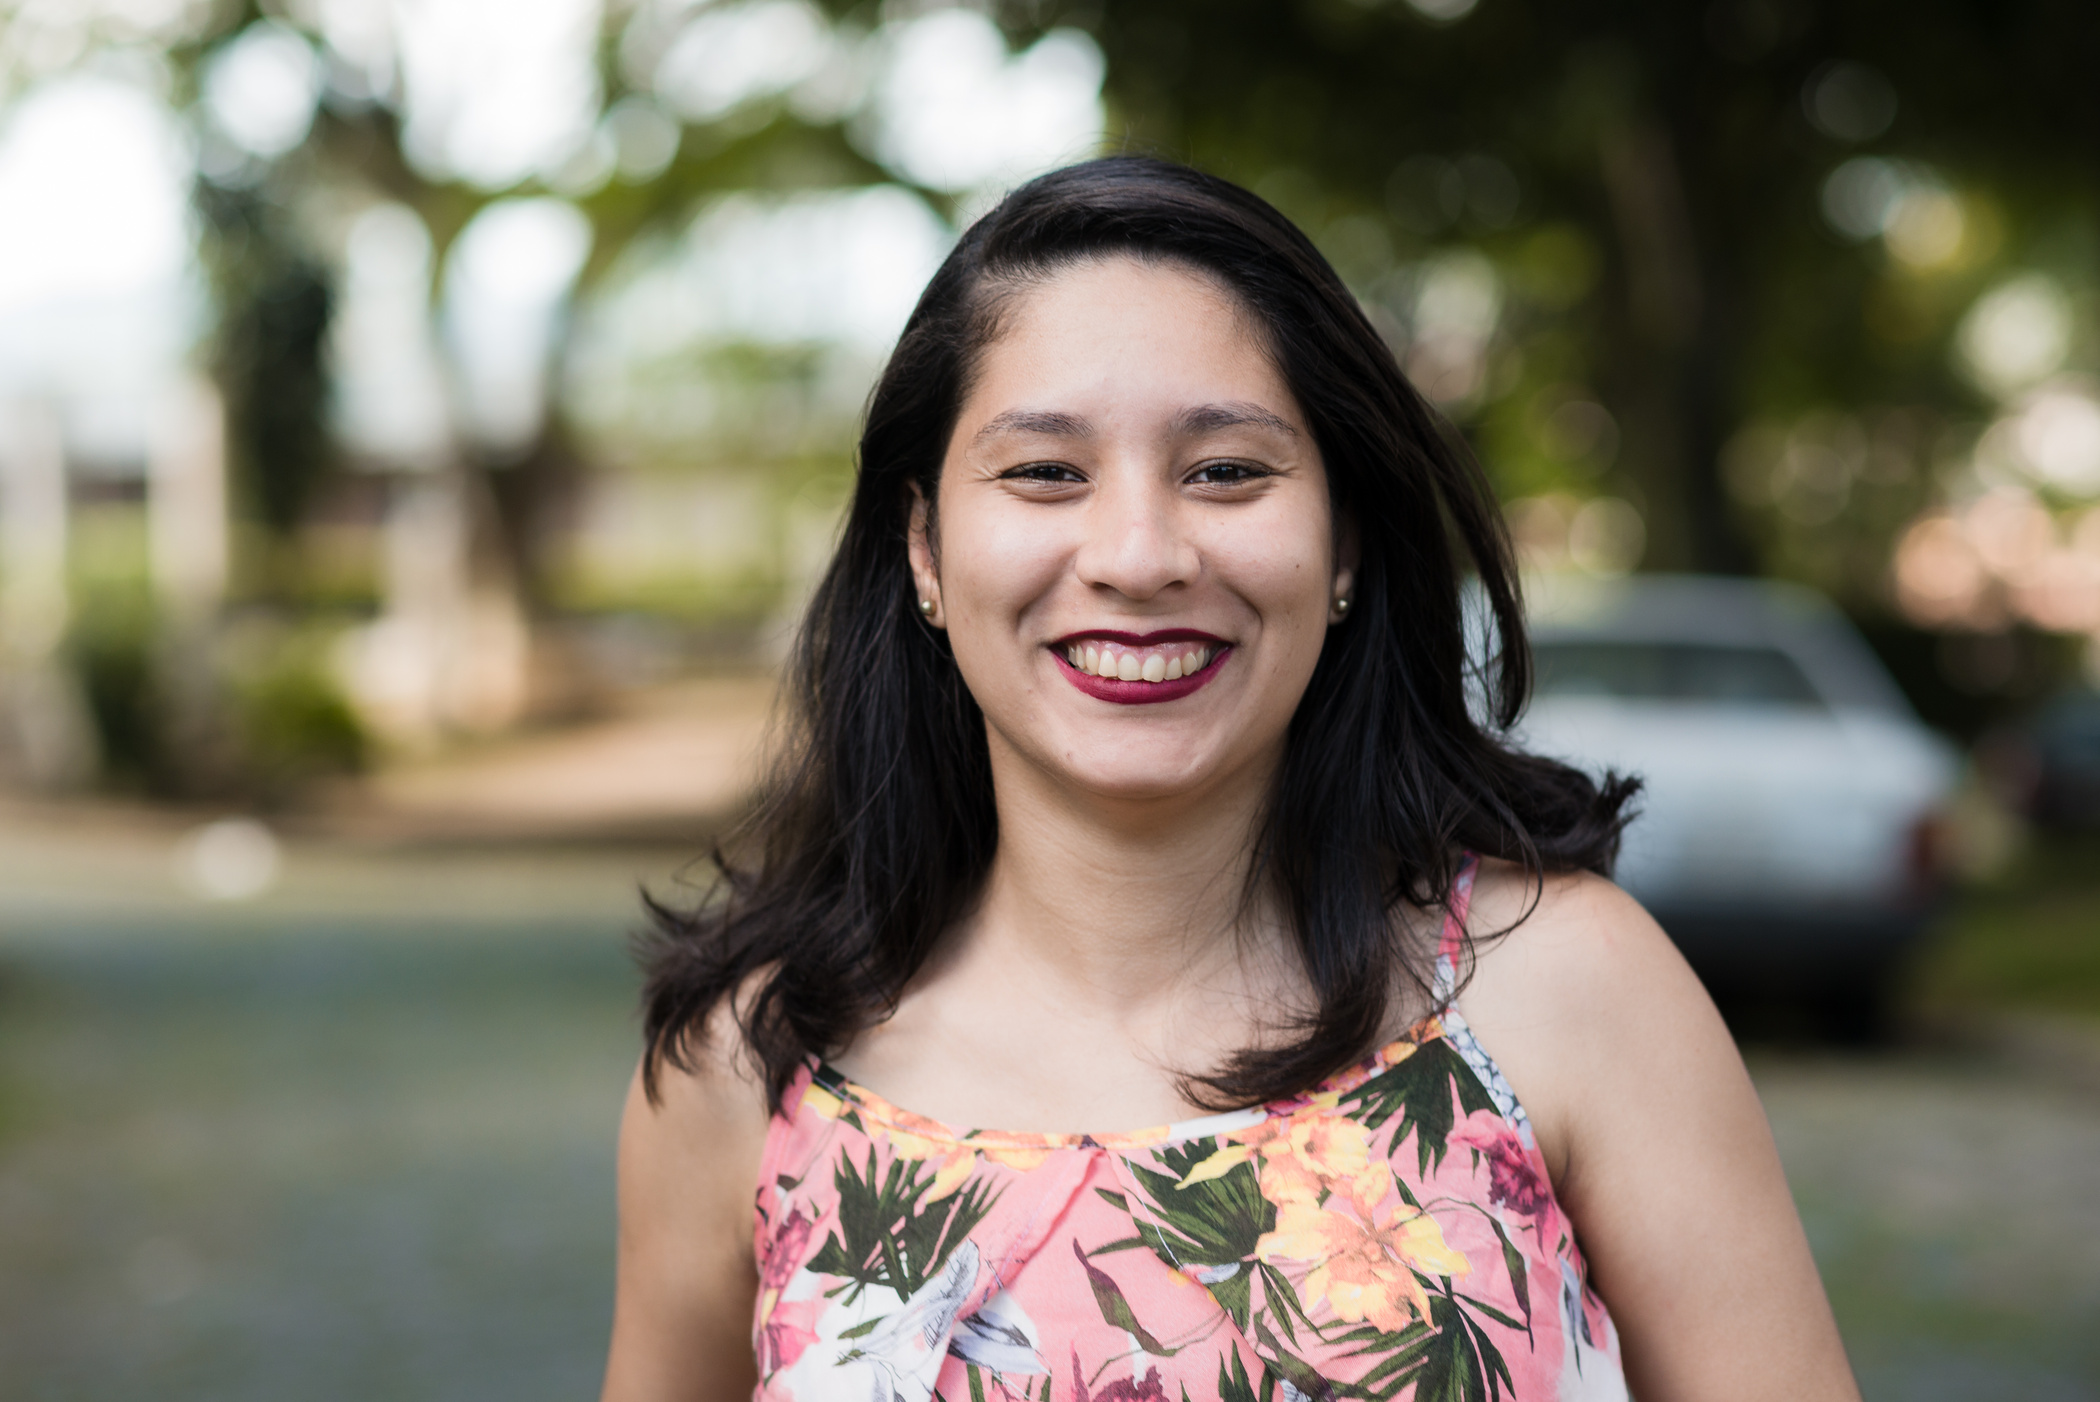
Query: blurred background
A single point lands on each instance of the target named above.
(421, 420)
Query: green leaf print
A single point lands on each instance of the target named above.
(1462, 1363)
(1451, 1356)
(1234, 1386)
(1420, 1090)
(1401, 1366)
(1281, 1299)
(1214, 1223)
(1292, 1369)
(1513, 1259)
(885, 1236)
(1234, 1295)
(1115, 1308)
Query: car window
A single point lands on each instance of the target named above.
(1645, 671)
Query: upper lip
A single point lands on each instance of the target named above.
(1164, 635)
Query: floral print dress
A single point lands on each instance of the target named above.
(1390, 1234)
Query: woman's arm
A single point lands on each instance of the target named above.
(688, 1280)
(1659, 1149)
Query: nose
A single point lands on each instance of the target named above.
(1136, 542)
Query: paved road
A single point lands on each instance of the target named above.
(348, 1143)
(1952, 1196)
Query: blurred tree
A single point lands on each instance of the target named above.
(1652, 180)
(1688, 272)
(272, 292)
(274, 300)
(309, 113)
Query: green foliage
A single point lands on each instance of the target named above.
(1235, 1385)
(275, 302)
(1461, 1360)
(1215, 1223)
(112, 645)
(294, 722)
(1115, 1308)
(2024, 941)
(1666, 252)
(1287, 1365)
(1519, 1273)
(1420, 1090)
(870, 1246)
(253, 712)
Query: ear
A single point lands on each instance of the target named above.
(1348, 554)
(925, 563)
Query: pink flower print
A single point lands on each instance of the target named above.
(790, 1328)
(1514, 1180)
(1151, 1389)
(785, 1328)
(784, 1257)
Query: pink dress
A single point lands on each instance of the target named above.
(1391, 1233)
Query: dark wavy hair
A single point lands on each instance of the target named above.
(876, 827)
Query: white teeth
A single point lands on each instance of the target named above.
(1100, 660)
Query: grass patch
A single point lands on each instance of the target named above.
(2029, 938)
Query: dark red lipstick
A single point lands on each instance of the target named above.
(1141, 693)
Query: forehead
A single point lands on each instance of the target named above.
(1122, 328)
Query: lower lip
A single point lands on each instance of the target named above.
(1139, 693)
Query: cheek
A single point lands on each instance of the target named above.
(1284, 568)
(993, 565)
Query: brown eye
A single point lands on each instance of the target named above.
(1227, 473)
(1042, 472)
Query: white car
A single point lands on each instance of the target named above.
(1788, 836)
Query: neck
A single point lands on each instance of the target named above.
(1124, 903)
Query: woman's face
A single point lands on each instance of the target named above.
(1134, 555)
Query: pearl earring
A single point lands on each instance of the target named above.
(1341, 607)
(926, 607)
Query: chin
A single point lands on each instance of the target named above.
(1141, 772)
(1140, 788)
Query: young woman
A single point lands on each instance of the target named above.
(1141, 779)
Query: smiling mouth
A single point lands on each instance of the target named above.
(1133, 662)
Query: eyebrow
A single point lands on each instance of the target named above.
(1044, 421)
(1202, 418)
(1209, 418)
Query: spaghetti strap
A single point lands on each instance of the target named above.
(1451, 942)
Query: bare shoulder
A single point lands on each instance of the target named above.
(1574, 989)
(712, 1100)
(1566, 934)
(1655, 1140)
(688, 1170)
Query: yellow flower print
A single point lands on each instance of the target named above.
(1318, 1154)
(928, 1141)
(1228, 1157)
(1302, 1156)
(823, 1101)
(925, 1141)
(1017, 1156)
(1311, 1148)
(1364, 1271)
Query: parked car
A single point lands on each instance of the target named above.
(1790, 833)
(2048, 766)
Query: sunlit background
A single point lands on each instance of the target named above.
(422, 420)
